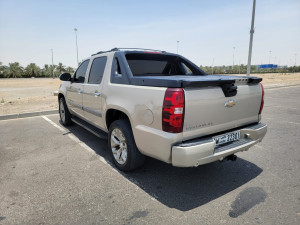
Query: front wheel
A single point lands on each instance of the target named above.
(124, 152)
(64, 113)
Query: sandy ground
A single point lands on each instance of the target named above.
(274, 79)
(30, 95)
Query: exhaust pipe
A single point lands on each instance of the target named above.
(230, 157)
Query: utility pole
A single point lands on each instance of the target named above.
(270, 52)
(52, 64)
(75, 29)
(295, 62)
(233, 57)
(212, 66)
(177, 46)
(251, 39)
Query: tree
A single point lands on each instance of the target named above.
(32, 70)
(2, 69)
(70, 69)
(61, 68)
(14, 70)
(45, 71)
(48, 70)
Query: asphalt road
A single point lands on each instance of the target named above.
(53, 175)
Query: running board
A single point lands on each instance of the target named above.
(96, 131)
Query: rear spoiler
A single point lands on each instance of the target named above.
(226, 83)
(191, 81)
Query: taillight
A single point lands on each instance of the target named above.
(262, 98)
(173, 110)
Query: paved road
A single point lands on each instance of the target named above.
(54, 175)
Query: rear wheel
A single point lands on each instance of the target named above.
(64, 113)
(124, 152)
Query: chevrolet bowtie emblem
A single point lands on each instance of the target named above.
(230, 103)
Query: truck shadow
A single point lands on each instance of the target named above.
(189, 188)
(180, 188)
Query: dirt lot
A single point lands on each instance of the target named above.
(274, 79)
(27, 95)
(31, 95)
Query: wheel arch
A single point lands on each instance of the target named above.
(112, 115)
(60, 95)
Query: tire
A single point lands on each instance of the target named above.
(123, 150)
(64, 113)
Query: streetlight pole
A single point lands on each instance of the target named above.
(52, 64)
(251, 39)
(75, 29)
(295, 59)
(177, 46)
(270, 52)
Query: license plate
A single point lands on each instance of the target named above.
(229, 137)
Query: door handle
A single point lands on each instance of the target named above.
(79, 91)
(97, 94)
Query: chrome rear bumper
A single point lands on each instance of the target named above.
(204, 150)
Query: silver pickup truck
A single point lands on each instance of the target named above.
(159, 104)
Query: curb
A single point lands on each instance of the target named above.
(30, 114)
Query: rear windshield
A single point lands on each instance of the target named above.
(154, 64)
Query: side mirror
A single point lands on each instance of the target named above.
(65, 77)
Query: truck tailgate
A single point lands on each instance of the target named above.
(208, 111)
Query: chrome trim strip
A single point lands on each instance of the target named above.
(92, 111)
(74, 104)
(87, 109)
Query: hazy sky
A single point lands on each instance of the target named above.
(207, 30)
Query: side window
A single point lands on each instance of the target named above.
(97, 70)
(117, 68)
(80, 72)
(186, 69)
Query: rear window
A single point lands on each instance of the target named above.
(143, 67)
(143, 64)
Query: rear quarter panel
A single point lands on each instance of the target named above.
(143, 106)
